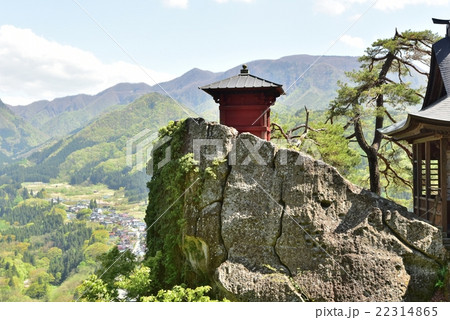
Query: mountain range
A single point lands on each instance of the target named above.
(16, 135)
(307, 80)
(62, 116)
(97, 153)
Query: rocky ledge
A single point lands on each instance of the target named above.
(269, 224)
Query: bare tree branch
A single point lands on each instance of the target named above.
(388, 168)
(289, 134)
(389, 116)
(279, 128)
(413, 66)
(401, 146)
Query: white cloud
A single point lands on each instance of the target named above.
(331, 7)
(355, 17)
(183, 4)
(400, 4)
(34, 68)
(353, 41)
(337, 7)
(225, 1)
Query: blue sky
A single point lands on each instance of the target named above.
(53, 48)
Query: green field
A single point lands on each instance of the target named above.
(104, 196)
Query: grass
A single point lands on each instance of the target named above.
(65, 190)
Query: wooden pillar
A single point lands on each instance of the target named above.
(427, 178)
(443, 182)
(421, 181)
(416, 178)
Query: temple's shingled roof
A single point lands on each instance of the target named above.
(441, 50)
(439, 110)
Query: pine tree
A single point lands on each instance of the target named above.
(379, 83)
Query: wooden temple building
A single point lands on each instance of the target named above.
(245, 101)
(428, 130)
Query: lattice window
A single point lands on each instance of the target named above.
(429, 178)
(434, 177)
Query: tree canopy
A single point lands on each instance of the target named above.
(380, 85)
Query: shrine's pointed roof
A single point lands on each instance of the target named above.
(244, 80)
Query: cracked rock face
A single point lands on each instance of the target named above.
(276, 225)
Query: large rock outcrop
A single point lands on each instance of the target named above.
(268, 224)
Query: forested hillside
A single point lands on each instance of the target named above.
(96, 154)
(16, 135)
(40, 248)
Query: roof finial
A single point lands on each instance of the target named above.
(443, 21)
(244, 69)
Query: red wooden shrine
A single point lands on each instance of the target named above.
(245, 101)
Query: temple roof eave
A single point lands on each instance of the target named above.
(414, 127)
(436, 115)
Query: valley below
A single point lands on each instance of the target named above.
(45, 265)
